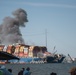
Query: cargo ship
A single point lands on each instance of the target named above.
(28, 53)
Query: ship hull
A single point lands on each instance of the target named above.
(51, 59)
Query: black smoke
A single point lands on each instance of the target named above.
(10, 28)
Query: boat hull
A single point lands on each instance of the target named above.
(50, 59)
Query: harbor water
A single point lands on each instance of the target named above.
(43, 69)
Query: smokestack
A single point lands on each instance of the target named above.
(9, 29)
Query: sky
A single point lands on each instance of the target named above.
(54, 19)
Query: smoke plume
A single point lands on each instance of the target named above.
(9, 29)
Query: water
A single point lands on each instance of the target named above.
(46, 69)
(43, 69)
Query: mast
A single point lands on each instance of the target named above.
(46, 37)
